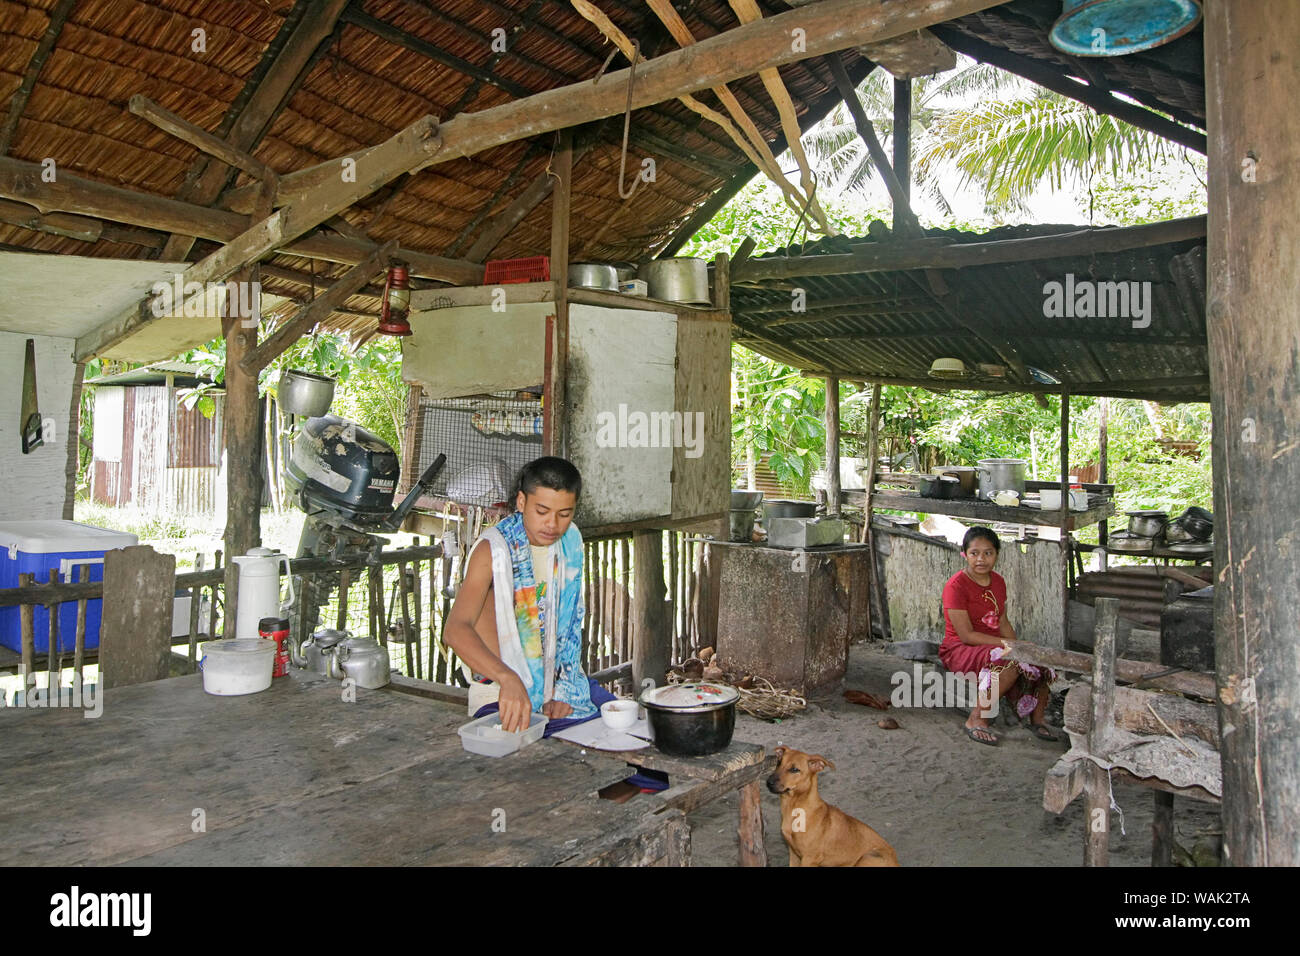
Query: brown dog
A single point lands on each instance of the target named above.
(817, 833)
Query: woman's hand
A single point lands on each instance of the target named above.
(556, 709)
(516, 707)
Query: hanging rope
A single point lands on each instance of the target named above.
(627, 124)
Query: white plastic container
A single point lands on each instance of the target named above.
(484, 736)
(237, 666)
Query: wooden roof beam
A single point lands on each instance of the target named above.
(377, 166)
(18, 102)
(22, 182)
(263, 105)
(319, 309)
(830, 26)
(200, 139)
(1100, 100)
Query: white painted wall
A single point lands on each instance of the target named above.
(34, 484)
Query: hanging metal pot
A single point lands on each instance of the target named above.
(305, 393)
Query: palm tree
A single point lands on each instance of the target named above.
(991, 128)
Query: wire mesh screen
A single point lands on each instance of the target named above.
(486, 439)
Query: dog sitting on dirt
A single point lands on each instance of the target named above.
(817, 833)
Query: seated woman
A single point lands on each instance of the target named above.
(978, 635)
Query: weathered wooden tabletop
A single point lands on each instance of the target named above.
(169, 775)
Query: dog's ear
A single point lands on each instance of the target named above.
(779, 751)
(817, 763)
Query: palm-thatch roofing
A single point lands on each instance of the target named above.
(68, 70)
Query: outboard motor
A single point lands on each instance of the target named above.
(344, 478)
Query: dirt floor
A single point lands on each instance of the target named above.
(940, 798)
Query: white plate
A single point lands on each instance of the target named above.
(594, 735)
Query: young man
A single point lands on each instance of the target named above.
(517, 620)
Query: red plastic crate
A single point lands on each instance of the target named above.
(510, 271)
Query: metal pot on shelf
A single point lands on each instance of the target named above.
(678, 279)
(965, 475)
(1001, 474)
(1147, 524)
(939, 486)
(593, 275)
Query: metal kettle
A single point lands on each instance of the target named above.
(314, 654)
(363, 659)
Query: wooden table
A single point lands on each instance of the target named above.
(701, 780)
(169, 775)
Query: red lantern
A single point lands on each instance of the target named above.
(397, 301)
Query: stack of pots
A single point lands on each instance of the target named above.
(742, 514)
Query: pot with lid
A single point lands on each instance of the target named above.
(1147, 524)
(691, 720)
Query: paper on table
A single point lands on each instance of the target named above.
(594, 735)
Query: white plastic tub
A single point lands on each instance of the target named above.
(485, 736)
(237, 666)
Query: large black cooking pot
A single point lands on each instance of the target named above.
(691, 720)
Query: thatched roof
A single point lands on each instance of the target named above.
(385, 63)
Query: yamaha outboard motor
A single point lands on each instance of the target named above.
(344, 478)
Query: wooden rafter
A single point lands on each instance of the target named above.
(317, 310)
(379, 165)
(18, 102)
(263, 105)
(201, 139)
(22, 182)
(1100, 100)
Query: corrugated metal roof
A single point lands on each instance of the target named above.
(184, 375)
(894, 324)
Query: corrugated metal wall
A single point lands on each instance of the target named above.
(169, 455)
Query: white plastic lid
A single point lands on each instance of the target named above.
(53, 534)
(240, 645)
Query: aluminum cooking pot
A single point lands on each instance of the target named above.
(304, 393)
(785, 508)
(1148, 524)
(593, 275)
(1001, 474)
(939, 486)
(690, 720)
(681, 279)
(314, 653)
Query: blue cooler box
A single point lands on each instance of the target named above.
(34, 547)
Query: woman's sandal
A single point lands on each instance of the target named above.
(989, 737)
(1042, 732)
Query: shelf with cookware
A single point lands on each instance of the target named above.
(639, 401)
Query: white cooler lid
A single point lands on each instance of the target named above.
(53, 535)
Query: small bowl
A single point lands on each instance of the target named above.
(618, 714)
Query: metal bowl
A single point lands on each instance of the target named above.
(304, 393)
(785, 508)
(742, 500)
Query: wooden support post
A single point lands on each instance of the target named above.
(242, 423)
(1162, 829)
(1103, 466)
(136, 630)
(752, 850)
(651, 652)
(1254, 334)
(1065, 519)
(1096, 781)
(903, 139)
(832, 445)
(562, 165)
(79, 648)
(27, 624)
(904, 220)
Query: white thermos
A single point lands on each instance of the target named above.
(259, 589)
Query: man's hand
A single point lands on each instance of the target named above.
(556, 709)
(515, 705)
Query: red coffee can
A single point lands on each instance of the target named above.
(277, 629)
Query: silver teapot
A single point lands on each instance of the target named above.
(363, 659)
(314, 654)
